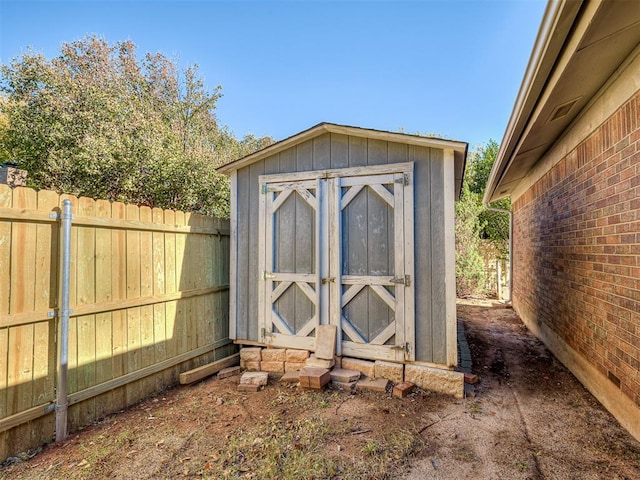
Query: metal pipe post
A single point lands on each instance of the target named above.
(63, 325)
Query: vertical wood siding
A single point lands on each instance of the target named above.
(149, 300)
(332, 150)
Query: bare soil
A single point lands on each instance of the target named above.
(530, 419)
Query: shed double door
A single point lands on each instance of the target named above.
(337, 248)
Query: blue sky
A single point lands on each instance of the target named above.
(451, 68)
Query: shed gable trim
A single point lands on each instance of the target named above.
(322, 128)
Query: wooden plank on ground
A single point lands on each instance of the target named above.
(207, 370)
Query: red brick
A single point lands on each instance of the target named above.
(314, 377)
(403, 389)
(470, 378)
(576, 236)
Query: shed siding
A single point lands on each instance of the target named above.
(332, 150)
(438, 258)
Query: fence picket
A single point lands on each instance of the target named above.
(119, 292)
(145, 285)
(103, 294)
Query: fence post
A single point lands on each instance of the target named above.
(63, 326)
(499, 278)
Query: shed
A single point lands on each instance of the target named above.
(351, 227)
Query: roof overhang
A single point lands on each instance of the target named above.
(580, 45)
(459, 148)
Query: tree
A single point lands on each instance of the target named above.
(470, 268)
(97, 121)
(495, 224)
(478, 229)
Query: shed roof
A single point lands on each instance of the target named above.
(459, 148)
(580, 45)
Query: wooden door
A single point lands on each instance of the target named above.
(337, 247)
(290, 267)
(372, 299)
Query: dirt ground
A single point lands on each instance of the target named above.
(530, 419)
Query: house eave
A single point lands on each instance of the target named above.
(580, 45)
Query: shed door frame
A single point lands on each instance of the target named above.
(327, 296)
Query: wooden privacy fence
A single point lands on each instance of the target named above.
(149, 299)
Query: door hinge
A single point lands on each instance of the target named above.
(265, 275)
(406, 280)
(264, 188)
(265, 333)
(404, 180)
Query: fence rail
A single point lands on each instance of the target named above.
(149, 299)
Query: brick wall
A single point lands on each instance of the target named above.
(577, 249)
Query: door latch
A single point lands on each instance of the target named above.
(405, 348)
(328, 280)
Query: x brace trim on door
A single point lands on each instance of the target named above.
(329, 193)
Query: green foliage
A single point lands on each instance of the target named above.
(96, 121)
(477, 228)
(479, 166)
(4, 127)
(495, 224)
(470, 269)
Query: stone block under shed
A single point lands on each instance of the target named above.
(293, 355)
(254, 378)
(314, 377)
(314, 361)
(293, 366)
(436, 379)
(274, 355)
(275, 367)
(251, 366)
(344, 376)
(379, 385)
(389, 370)
(366, 367)
(251, 354)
